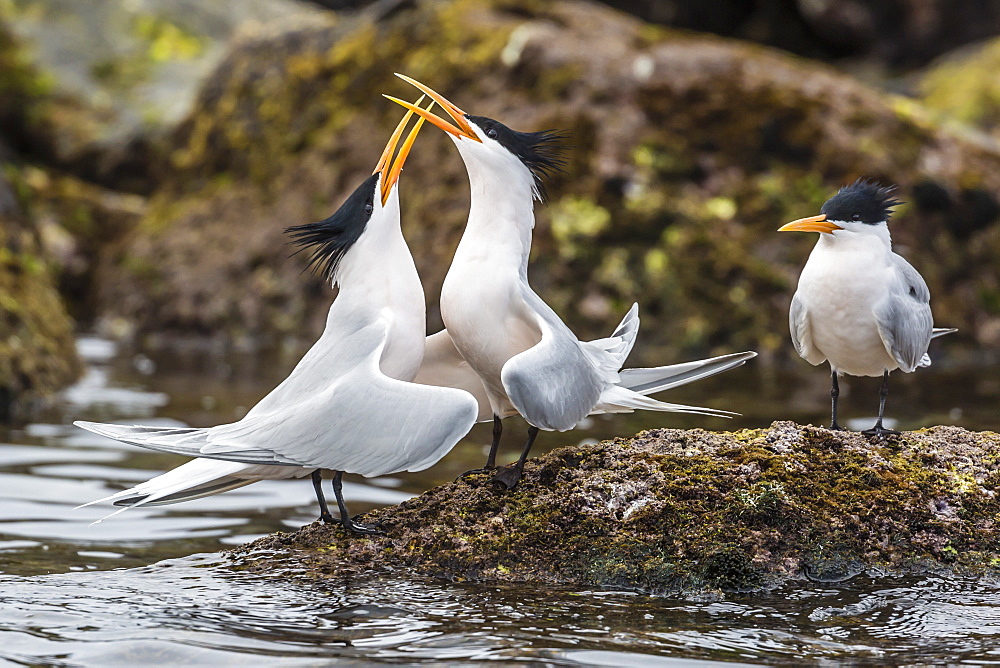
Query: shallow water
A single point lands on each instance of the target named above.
(129, 591)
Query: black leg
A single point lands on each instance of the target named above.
(883, 392)
(510, 476)
(345, 519)
(834, 395)
(324, 510)
(491, 460)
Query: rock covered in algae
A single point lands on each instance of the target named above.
(687, 152)
(37, 354)
(113, 79)
(672, 510)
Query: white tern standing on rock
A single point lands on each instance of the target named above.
(860, 306)
(349, 405)
(529, 361)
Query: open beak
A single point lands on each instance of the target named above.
(460, 128)
(388, 168)
(812, 224)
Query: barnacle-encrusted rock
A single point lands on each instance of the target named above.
(687, 153)
(674, 510)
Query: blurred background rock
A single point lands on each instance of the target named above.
(154, 150)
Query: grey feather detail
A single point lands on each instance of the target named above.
(444, 366)
(210, 489)
(189, 442)
(798, 325)
(658, 379)
(904, 317)
(553, 384)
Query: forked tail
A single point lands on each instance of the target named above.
(657, 379)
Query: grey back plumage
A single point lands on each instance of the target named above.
(554, 384)
(904, 316)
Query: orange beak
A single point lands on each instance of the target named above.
(388, 168)
(812, 224)
(461, 127)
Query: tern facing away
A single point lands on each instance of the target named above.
(525, 357)
(348, 405)
(859, 305)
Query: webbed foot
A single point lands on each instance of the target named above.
(359, 529)
(880, 431)
(508, 476)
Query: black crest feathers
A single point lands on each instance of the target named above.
(330, 239)
(543, 153)
(864, 201)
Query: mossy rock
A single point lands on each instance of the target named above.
(966, 86)
(674, 510)
(37, 352)
(687, 153)
(109, 81)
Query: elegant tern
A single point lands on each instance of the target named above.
(499, 330)
(860, 306)
(348, 405)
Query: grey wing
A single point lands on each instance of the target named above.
(444, 366)
(904, 316)
(365, 423)
(323, 362)
(553, 384)
(799, 326)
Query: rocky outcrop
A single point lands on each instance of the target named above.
(37, 354)
(897, 33)
(115, 78)
(687, 153)
(965, 86)
(672, 510)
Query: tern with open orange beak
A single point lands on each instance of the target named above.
(500, 330)
(349, 405)
(859, 306)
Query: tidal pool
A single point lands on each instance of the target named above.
(151, 586)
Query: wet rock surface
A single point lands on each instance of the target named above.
(673, 510)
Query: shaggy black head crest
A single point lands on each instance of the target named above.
(864, 201)
(541, 152)
(330, 239)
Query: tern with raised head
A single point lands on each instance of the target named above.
(527, 360)
(349, 405)
(860, 306)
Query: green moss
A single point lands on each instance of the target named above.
(676, 181)
(37, 354)
(967, 88)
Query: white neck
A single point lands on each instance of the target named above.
(501, 212)
(377, 276)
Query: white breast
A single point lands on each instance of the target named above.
(839, 288)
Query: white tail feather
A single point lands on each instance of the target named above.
(623, 400)
(657, 379)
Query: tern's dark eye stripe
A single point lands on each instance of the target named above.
(330, 239)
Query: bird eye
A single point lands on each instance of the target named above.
(368, 209)
(856, 216)
(492, 133)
